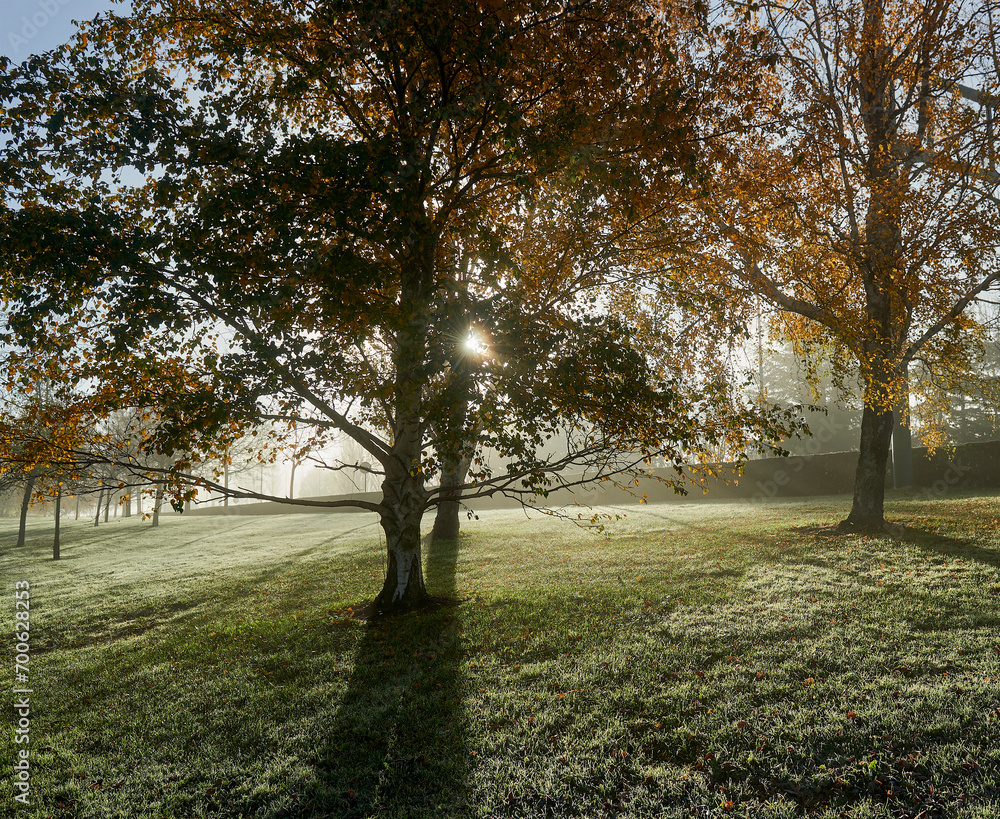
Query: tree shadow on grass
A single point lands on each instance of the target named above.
(396, 745)
(922, 539)
(950, 546)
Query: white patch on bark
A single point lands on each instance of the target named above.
(404, 560)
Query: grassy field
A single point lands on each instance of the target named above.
(696, 660)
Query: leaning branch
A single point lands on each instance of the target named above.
(955, 311)
(170, 474)
(376, 447)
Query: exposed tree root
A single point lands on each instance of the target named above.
(883, 527)
(371, 611)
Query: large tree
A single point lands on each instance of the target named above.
(855, 191)
(297, 212)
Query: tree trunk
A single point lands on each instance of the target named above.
(403, 494)
(25, 503)
(100, 502)
(157, 500)
(455, 459)
(291, 484)
(881, 264)
(55, 534)
(868, 509)
(77, 517)
(127, 508)
(403, 589)
(446, 521)
(225, 478)
(107, 505)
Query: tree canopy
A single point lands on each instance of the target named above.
(298, 213)
(857, 193)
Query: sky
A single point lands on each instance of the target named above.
(32, 26)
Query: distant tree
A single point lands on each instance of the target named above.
(855, 191)
(57, 517)
(40, 428)
(28, 479)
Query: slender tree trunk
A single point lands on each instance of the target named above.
(55, 534)
(291, 483)
(138, 502)
(29, 487)
(868, 508)
(127, 508)
(454, 458)
(157, 500)
(100, 503)
(225, 479)
(77, 517)
(446, 522)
